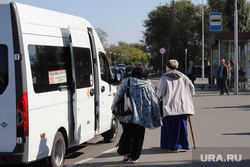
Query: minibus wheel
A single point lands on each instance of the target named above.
(58, 151)
(111, 134)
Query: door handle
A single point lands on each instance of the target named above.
(103, 88)
(92, 92)
(63, 88)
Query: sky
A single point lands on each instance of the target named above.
(122, 20)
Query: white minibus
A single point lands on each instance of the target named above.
(56, 87)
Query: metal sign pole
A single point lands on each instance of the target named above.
(162, 65)
(186, 62)
(162, 51)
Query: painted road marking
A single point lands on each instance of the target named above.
(89, 159)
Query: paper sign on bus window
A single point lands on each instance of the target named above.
(57, 77)
(91, 79)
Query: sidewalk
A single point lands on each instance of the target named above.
(199, 83)
(219, 123)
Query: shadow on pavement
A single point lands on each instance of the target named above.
(247, 133)
(241, 106)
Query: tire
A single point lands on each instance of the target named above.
(111, 134)
(58, 151)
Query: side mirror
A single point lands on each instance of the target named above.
(117, 78)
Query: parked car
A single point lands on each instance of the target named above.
(121, 67)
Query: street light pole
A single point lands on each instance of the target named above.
(236, 68)
(111, 58)
(118, 55)
(202, 42)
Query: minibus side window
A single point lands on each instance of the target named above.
(50, 67)
(4, 79)
(83, 67)
(104, 67)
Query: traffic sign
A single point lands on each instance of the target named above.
(162, 50)
(215, 21)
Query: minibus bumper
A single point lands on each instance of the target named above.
(11, 158)
(18, 156)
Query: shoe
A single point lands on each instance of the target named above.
(173, 151)
(131, 161)
(228, 94)
(221, 94)
(126, 157)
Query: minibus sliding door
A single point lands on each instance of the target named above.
(96, 78)
(82, 87)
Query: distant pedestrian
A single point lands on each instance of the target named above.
(177, 92)
(146, 113)
(222, 77)
(242, 75)
(191, 72)
(232, 74)
(229, 69)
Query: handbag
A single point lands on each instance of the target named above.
(124, 106)
(161, 107)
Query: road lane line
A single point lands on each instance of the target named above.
(89, 159)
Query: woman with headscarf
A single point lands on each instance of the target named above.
(146, 113)
(177, 92)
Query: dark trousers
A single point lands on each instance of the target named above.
(222, 84)
(131, 140)
(191, 77)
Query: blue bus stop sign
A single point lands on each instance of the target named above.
(215, 21)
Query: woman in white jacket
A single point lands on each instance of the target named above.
(177, 92)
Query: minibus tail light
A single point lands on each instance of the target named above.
(23, 117)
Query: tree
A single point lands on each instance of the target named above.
(156, 33)
(248, 8)
(126, 53)
(185, 33)
(243, 14)
(103, 36)
(216, 5)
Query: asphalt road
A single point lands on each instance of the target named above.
(221, 128)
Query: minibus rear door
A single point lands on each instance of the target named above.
(7, 82)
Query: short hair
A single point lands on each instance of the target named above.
(140, 72)
(172, 64)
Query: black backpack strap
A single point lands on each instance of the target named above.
(128, 87)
